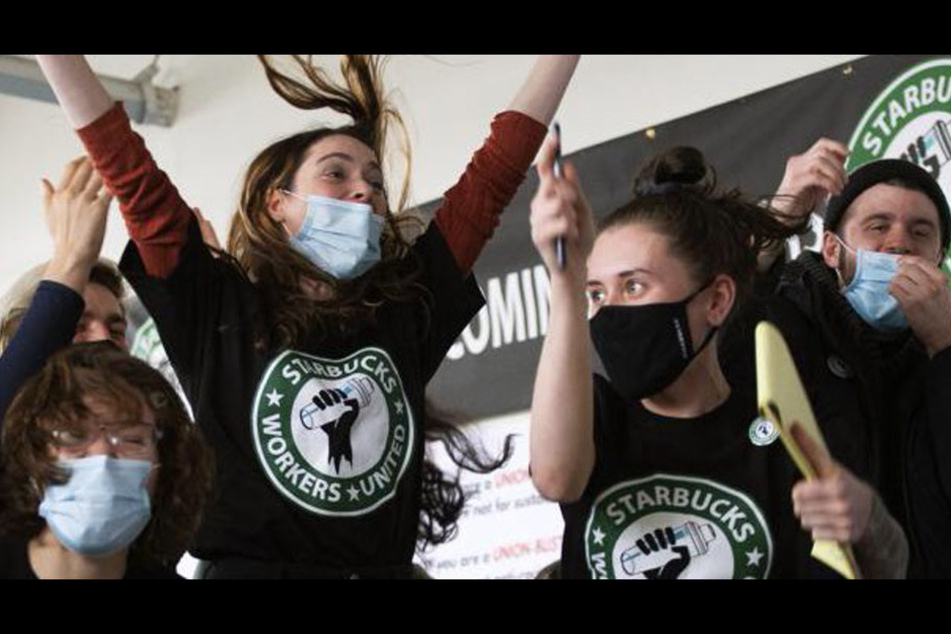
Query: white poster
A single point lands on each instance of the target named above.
(507, 530)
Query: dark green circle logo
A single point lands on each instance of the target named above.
(334, 436)
(676, 527)
(910, 120)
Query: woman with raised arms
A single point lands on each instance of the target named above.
(306, 351)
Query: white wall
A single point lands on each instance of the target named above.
(228, 112)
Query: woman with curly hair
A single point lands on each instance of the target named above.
(305, 351)
(104, 475)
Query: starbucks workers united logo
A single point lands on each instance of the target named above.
(910, 120)
(676, 527)
(333, 435)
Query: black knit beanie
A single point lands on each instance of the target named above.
(884, 170)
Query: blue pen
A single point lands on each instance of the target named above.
(556, 168)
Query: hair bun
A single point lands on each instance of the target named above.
(677, 167)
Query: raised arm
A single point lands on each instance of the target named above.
(561, 438)
(76, 217)
(544, 87)
(809, 177)
(156, 216)
(77, 88)
(76, 212)
(471, 209)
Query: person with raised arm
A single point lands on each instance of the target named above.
(74, 297)
(868, 319)
(306, 351)
(660, 467)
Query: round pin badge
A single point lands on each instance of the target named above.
(839, 367)
(763, 432)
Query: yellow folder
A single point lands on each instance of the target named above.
(783, 401)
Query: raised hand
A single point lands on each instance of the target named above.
(559, 208)
(76, 212)
(561, 440)
(922, 290)
(810, 177)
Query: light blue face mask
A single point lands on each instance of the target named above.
(339, 237)
(868, 291)
(103, 506)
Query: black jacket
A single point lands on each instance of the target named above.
(883, 405)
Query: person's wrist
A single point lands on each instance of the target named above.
(70, 266)
(567, 291)
(72, 258)
(940, 344)
(793, 208)
(570, 280)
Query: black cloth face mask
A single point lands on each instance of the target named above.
(645, 348)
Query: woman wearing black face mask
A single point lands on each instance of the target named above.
(658, 468)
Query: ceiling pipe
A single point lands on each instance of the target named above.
(144, 101)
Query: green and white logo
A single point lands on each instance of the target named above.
(763, 432)
(147, 345)
(910, 120)
(676, 527)
(334, 436)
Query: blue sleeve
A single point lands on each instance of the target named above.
(48, 325)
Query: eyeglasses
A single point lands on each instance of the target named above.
(127, 441)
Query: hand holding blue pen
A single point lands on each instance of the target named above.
(560, 240)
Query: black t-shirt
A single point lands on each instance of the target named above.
(887, 422)
(15, 563)
(318, 448)
(881, 403)
(684, 498)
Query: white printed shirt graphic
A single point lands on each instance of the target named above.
(676, 527)
(334, 436)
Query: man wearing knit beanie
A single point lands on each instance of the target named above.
(895, 207)
(868, 319)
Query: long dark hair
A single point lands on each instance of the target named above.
(712, 230)
(443, 497)
(259, 245)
